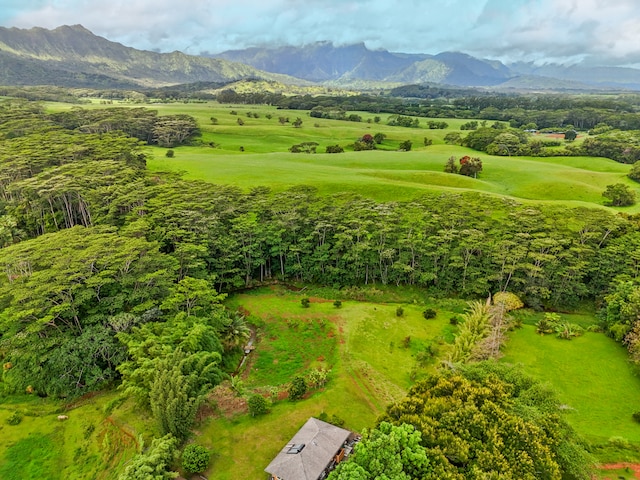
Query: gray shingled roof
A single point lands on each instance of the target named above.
(322, 441)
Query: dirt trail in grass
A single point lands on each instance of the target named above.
(634, 467)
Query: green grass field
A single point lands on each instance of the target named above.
(362, 343)
(385, 174)
(592, 376)
(372, 354)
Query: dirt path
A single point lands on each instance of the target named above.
(633, 467)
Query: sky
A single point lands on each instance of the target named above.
(605, 32)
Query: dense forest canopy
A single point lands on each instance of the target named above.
(114, 276)
(85, 189)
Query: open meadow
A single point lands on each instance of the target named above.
(373, 356)
(257, 154)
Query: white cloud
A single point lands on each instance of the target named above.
(544, 30)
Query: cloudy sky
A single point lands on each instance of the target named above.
(597, 31)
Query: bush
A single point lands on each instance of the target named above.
(454, 320)
(297, 388)
(14, 419)
(337, 304)
(334, 149)
(405, 146)
(429, 313)
(399, 312)
(636, 416)
(195, 458)
(258, 405)
(170, 154)
(305, 302)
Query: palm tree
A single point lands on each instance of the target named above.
(235, 330)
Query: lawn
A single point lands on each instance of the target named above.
(592, 376)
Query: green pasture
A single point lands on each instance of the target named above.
(592, 376)
(364, 346)
(384, 174)
(90, 444)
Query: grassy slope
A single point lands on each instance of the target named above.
(591, 375)
(385, 174)
(370, 368)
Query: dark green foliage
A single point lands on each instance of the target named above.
(174, 397)
(570, 135)
(334, 149)
(258, 405)
(634, 173)
(403, 121)
(437, 125)
(454, 320)
(337, 303)
(453, 138)
(450, 166)
(304, 147)
(14, 419)
(619, 195)
(297, 123)
(490, 419)
(429, 313)
(405, 146)
(388, 451)
(297, 388)
(379, 138)
(154, 463)
(170, 153)
(636, 416)
(305, 302)
(399, 312)
(470, 166)
(472, 125)
(195, 458)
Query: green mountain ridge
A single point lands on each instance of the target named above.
(58, 56)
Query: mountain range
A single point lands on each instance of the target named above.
(72, 56)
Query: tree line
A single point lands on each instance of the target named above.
(94, 247)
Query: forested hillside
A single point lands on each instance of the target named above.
(113, 276)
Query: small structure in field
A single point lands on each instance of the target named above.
(312, 452)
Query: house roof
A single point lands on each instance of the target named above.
(321, 442)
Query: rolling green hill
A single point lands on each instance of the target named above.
(64, 55)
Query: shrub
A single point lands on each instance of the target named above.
(297, 388)
(399, 312)
(170, 154)
(548, 324)
(14, 419)
(195, 458)
(379, 138)
(429, 313)
(454, 320)
(510, 300)
(334, 149)
(405, 146)
(336, 420)
(636, 416)
(258, 405)
(337, 304)
(305, 302)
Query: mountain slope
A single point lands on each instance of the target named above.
(75, 50)
(323, 61)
